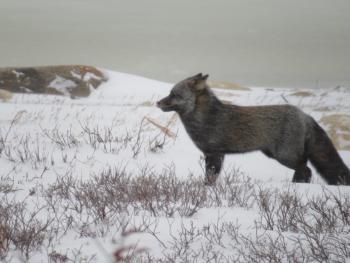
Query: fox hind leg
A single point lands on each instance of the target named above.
(302, 175)
(213, 164)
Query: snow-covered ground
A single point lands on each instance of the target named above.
(82, 179)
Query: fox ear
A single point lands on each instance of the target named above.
(198, 81)
(197, 76)
(202, 82)
(205, 77)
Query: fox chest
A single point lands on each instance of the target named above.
(207, 139)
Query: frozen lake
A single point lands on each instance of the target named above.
(265, 43)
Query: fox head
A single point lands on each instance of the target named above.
(182, 97)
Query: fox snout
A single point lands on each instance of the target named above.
(159, 104)
(166, 104)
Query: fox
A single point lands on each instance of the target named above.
(281, 132)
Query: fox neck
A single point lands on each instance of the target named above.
(202, 122)
(206, 104)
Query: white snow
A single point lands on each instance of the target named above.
(62, 85)
(18, 74)
(119, 106)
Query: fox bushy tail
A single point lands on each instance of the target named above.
(325, 158)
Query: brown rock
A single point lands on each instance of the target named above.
(67, 80)
(5, 95)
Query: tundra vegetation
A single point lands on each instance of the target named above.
(93, 180)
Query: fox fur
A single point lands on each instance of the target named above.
(281, 132)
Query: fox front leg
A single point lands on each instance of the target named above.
(213, 164)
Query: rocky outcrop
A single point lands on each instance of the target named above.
(5, 95)
(67, 80)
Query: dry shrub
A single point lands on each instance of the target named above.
(233, 189)
(316, 229)
(20, 228)
(115, 191)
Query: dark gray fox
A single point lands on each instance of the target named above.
(282, 132)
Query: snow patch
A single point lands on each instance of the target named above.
(88, 76)
(75, 75)
(58, 146)
(18, 74)
(62, 85)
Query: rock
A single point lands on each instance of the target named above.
(67, 80)
(5, 95)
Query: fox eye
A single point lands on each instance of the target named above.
(176, 95)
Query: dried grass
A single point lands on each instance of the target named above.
(227, 85)
(338, 128)
(324, 108)
(302, 93)
(165, 129)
